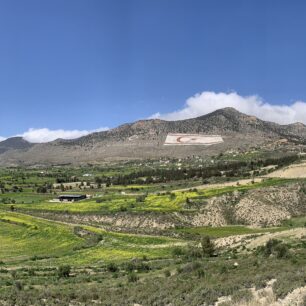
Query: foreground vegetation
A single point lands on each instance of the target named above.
(52, 262)
(35, 242)
(186, 278)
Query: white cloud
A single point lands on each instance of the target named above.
(46, 135)
(2, 138)
(207, 102)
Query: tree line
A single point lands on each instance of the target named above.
(228, 169)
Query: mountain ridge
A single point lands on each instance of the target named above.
(145, 138)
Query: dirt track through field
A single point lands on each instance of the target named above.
(225, 184)
(292, 171)
(296, 233)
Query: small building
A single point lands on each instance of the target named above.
(71, 197)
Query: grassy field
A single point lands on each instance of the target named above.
(225, 231)
(26, 197)
(120, 247)
(25, 237)
(295, 222)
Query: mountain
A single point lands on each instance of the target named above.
(145, 138)
(14, 143)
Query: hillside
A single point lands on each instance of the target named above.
(14, 143)
(145, 138)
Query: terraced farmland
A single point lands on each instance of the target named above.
(27, 239)
(22, 237)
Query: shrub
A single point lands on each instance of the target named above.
(64, 271)
(179, 270)
(132, 277)
(138, 265)
(270, 246)
(282, 251)
(177, 251)
(200, 273)
(172, 196)
(193, 266)
(194, 252)
(196, 265)
(112, 267)
(115, 275)
(208, 247)
(274, 247)
(167, 273)
(223, 269)
(31, 272)
(141, 198)
(18, 285)
(14, 274)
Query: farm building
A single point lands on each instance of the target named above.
(72, 197)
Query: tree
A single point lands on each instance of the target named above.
(41, 189)
(98, 180)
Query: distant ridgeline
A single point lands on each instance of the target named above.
(209, 135)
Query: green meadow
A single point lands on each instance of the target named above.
(35, 241)
(22, 237)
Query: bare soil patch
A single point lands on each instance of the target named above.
(292, 171)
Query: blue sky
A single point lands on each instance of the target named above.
(89, 64)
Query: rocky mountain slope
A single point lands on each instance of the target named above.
(145, 139)
(14, 143)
